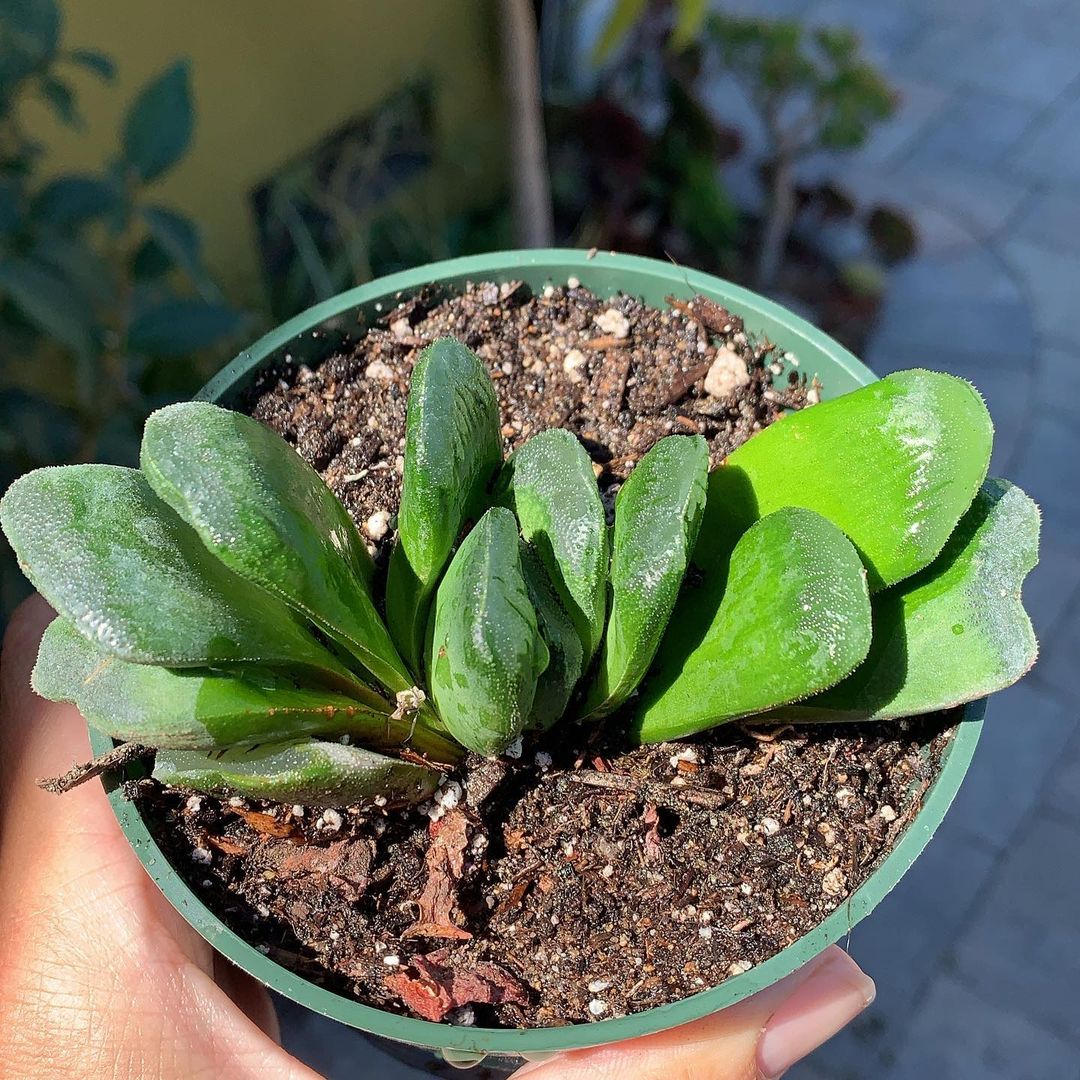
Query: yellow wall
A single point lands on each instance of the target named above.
(270, 78)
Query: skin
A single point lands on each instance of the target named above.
(100, 977)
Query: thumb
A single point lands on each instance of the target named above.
(758, 1039)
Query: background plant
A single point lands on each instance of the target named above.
(218, 604)
(106, 307)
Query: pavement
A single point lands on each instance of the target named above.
(976, 953)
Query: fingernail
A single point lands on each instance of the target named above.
(827, 999)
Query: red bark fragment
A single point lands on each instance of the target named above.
(436, 989)
(445, 862)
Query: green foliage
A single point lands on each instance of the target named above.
(955, 631)
(486, 649)
(452, 450)
(218, 605)
(268, 516)
(550, 486)
(203, 709)
(657, 516)
(311, 773)
(794, 619)
(74, 250)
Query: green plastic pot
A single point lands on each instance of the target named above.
(314, 335)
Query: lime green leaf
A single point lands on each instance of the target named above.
(71, 201)
(452, 449)
(566, 663)
(181, 327)
(893, 464)
(657, 517)
(550, 486)
(620, 22)
(158, 127)
(308, 772)
(267, 515)
(132, 577)
(689, 18)
(94, 60)
(486, 649)
(954, 632)
(794, 619)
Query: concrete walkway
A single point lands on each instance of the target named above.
(977, 951)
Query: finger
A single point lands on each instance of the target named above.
(761, 1037)
(92, 955)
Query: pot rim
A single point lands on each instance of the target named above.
(467, 1044)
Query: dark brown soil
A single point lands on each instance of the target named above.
(576, 881)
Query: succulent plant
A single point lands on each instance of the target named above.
(850, 562)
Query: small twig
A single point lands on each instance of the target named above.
(119, 757)
(663, 794)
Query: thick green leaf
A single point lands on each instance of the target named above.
(121, 565)
(567, 662)
(794, 619)
(71, 201)
(954, 632)
(265, 513)
(44, 298)
(486, 650)
(894, 464)
(657, 516)
(550, 486)
(200, 709)
(452, 449)
(158, 127)
(308, 772)
(94, 60)
(181, 327)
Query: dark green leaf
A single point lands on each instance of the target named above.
(34, 26)
(894, 464)
(95, 61)
(70, 201)
(566, 663)
(177, 328)
(158, 127)
(452, 449)
(61, 99)
(121, 565)
(794, 619)
(11, 203)
(954, 632)
(177, 238)
(486, 649)
(307, 772)
(550, 486)
(85, 271)
(657, 516)
(46, 300)
(267, 515)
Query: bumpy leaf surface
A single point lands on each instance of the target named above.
(567, 662)
(550, 486)
(486, 650)
(267, 514)
(452, 451)
(308, 772)
(794, 619)
(111, 557)
(894, 464)
(199, 709)
(956, 631)
(657, 516)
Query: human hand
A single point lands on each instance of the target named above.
(99, 976)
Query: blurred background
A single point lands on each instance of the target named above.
(177, 179)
